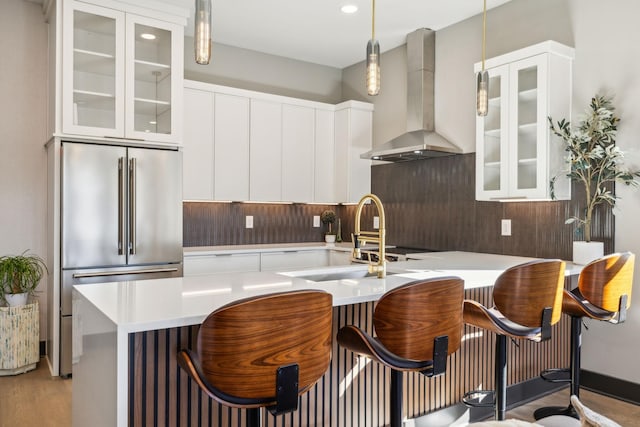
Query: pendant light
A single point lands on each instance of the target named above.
(202, 32)
(373, 57)
(482, 84)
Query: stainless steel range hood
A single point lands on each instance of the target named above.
(420, 141)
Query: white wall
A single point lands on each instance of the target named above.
(23, 112)
(607, 61)
(248, 69)
(606, 40)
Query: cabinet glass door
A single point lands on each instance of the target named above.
(150, 79)
(93, 80)
(491, 150)
(526, 151)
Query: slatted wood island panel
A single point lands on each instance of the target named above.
(353, 392)
(127, 334)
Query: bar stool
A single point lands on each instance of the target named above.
(603, 293)
(417, 326)
(263, 352)
(528, 301)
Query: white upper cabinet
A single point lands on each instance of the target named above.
(353, 127)
(121, 74)
(231, 148)
(324, 168)
(516, 154)
(270, 148)
(265, 151)
(298, 139)
(197, 149)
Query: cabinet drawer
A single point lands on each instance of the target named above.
(211, 264)
(272, 261)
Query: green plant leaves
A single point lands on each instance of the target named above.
(593, 159)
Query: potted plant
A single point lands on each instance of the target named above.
(595, 162)
(328, 217)
(19, 277)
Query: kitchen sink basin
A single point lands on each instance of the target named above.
(320, 275)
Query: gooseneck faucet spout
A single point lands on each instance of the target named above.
(361, 237)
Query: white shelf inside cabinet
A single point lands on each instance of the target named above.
(94, 100)
(492, 164)
(151, 71)
(529, 95)
(94, 62)
(151, 106)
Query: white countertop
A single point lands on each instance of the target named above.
(165, 303)
(267, 247)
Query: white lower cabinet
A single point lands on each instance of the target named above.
(339, 257)
(288, 260)
(198, 265)
(226, 263)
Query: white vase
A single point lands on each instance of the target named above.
(330, 238)
(585, 252)
(16, 300)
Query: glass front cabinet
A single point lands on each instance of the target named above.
(122, 74)
(516, 154)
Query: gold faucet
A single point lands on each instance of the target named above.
(360, 237)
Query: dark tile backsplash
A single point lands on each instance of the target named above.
(428, 204)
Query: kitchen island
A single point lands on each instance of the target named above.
(127, 334)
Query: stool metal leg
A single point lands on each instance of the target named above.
(501, 377)
(576, 348)
(396, 398)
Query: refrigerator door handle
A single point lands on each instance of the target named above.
(120, 273)
(132, 206)
(121, 206)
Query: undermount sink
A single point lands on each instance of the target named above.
(325, 277)
(332, 274)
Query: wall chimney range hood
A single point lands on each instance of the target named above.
(420, 141)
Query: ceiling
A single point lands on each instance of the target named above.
(317, 31)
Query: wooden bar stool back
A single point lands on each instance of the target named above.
(263, 351)
(603, 293)
(528, 301)
(417, 326)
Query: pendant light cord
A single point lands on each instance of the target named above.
(373, 20)
(484, 30)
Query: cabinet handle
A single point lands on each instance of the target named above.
(124, 273)
(121, 206)
(132, 206)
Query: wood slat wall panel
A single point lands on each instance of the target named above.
(353, 392)
(429, 204)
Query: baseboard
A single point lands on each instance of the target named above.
(458, 414)
(610, 386)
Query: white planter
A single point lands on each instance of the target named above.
(16, 300)
(20, 343)
(585, 252)
(330, 238)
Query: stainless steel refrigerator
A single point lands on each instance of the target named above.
(121, 220)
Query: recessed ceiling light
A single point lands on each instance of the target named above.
(148, 36)
(349, 8)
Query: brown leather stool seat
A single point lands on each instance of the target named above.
(417, 326)
(263, 352)
(528, 301)
(603, 293)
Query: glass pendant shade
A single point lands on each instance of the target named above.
(373, 67)
(482, 93)
(202, 33)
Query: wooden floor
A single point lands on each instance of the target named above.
(37, 399)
